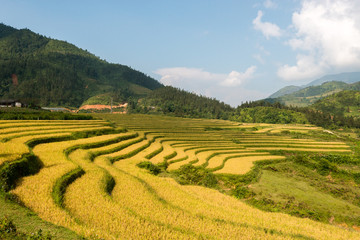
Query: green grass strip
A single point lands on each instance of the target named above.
(132, 153)
(101, 144)
(178, 160)
(171, 155)
(28, 164)
(62, 183)
(154, 153)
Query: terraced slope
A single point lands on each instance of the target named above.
(90, 183)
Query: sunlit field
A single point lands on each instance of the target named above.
(89, 181)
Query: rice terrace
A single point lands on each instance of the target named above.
(174, 120)
(156, 177)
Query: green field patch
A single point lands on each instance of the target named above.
(303, 199)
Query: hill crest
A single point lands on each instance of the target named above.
(56, 73)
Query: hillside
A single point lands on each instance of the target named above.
(344, 103)
(284, 91)
(309, 95)
(50, 72)
(349, 77)
(176, 102)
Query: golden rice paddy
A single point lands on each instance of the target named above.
(118, 200)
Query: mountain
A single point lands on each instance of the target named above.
(309, 95)
(50, 72)
(349, 77)
(285, 90)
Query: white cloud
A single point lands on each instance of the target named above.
(305, 68)
(174, 76)
(269, 4)
(218, 85)
(189, 76)
(236, 78)
(268, 29)
(327, 36)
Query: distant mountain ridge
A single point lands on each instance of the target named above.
(308, 94)
(348, 77)
(56, 73)
(285, 90)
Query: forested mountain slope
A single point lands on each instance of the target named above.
(50, 72)
(345, 103)
(309, 95)
(347, 77)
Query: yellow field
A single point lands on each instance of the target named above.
(241, 165)
(118, 200)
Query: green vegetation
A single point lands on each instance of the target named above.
(345, 103)
(175, 102)
(34, 114)
(8, 231)
(263, 114)
(19, 223)
(310, 186)
(49, 72)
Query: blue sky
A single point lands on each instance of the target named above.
(231, 50)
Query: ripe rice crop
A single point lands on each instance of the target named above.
(218, 160)
(35, 191)
(9, 136)
(241, 165)
(117, 200)
(308, 149)
(13, 149)
(229, 212)
(167, 150)
(204, 155)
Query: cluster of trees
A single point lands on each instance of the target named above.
(268, 114)
(328, 116)
(176, 102)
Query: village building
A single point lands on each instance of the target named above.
(10, 103)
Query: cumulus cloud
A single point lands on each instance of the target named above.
(187, 76)
(178, 75)
(306, 68)
(236, 78)
(327, 37)
(268, 29)
(216, 85)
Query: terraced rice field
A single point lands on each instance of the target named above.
(92, 185)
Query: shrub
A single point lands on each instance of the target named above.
(189, 174)
(153, 169)
(324, 167)
(242, 192)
